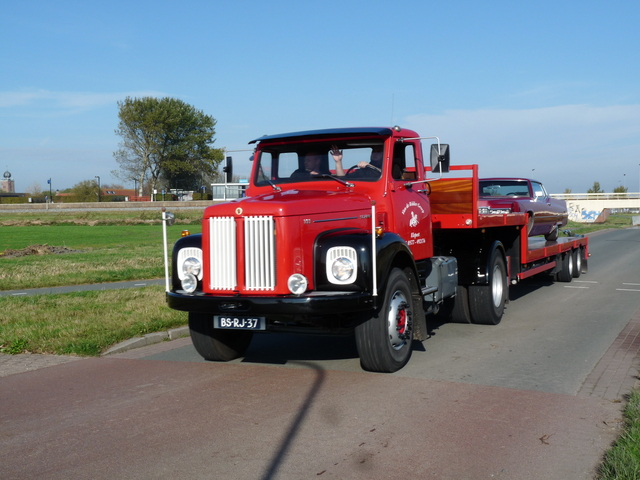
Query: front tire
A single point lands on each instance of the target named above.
(486, 302)
(214, 343)
(384, 340)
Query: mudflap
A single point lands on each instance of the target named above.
(420, 332)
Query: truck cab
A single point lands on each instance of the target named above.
(331, 217)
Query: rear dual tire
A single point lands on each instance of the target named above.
(487, 302)
(566, 271)
(576, 256)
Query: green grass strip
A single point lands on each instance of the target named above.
(622, 461)
(83, 323)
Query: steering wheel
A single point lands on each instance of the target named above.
(369, 168)
(351, 169)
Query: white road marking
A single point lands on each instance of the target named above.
(626, 290)
(573, 286)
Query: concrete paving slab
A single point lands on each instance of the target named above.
(26, 362)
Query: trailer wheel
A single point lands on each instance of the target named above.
(565, 274)
(486, 302)
(216, 344)
(384, 340)
(576, 256)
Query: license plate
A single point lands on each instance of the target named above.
(239, 323)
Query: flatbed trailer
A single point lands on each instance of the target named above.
(454, 208)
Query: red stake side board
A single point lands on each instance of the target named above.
(454, 203)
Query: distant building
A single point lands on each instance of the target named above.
(8, 185)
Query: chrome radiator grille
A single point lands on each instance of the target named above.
(259, 253)
(222, 252)
(258, 245)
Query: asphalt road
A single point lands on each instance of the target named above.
(474, 402)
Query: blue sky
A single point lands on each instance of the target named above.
(542, 89)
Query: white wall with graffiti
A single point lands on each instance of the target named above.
(594, 208)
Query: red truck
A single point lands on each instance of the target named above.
(349, 231)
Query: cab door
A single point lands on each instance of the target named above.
(411, 208)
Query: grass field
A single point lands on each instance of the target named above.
(100, 254)
(83, 323)
(614, 221)
(93, 218)
(103, 247)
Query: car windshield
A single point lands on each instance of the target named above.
(305, 162)
(504, 188)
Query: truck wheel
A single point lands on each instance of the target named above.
(216, 344)
(486, 302)
(456, 309)
(384, 340)
(576, 256)
(565, 274)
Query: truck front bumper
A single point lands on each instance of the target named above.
(313, 304)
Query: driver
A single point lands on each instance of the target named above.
(312, 161)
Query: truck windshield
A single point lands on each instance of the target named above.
(306, 162)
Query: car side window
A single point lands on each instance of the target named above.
(538, 190)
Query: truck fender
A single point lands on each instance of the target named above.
(482, 273)
(391, 252)
(193, 241)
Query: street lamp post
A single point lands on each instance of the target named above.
(98, 177)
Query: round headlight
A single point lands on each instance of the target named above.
(297, 284)
(191, 266)
(189, 283)
(342, 265)
(342, 269)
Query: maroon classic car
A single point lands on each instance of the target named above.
(504, 195)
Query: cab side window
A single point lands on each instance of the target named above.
(403, 165)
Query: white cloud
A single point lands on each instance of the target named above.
(65, 101)
(569, 146)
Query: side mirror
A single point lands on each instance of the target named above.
(440, 160)
(228, 170)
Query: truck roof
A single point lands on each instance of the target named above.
(330, 132)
